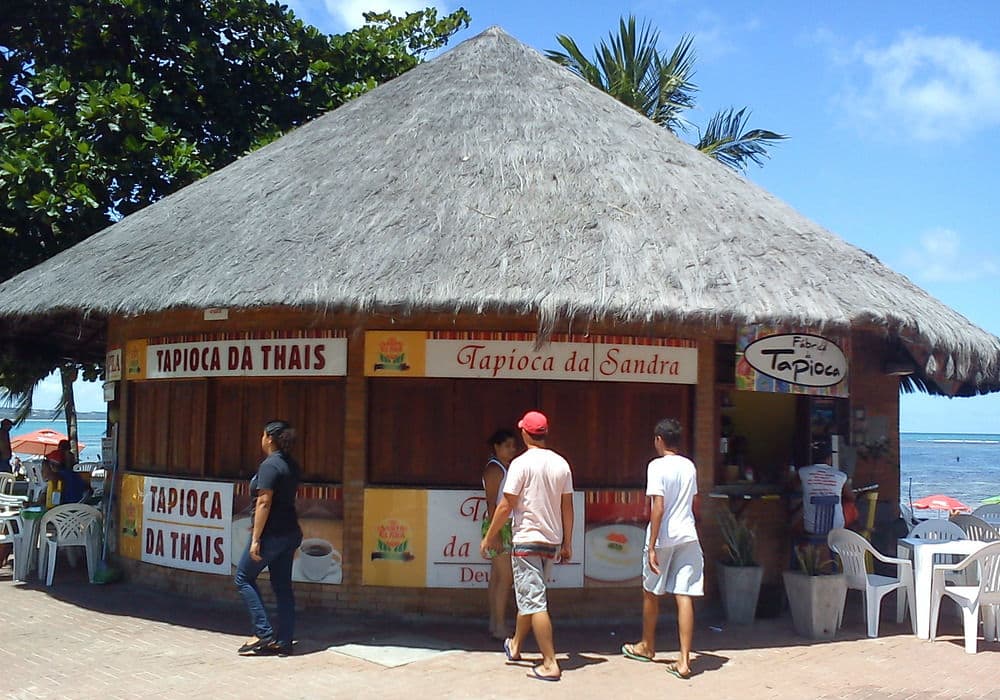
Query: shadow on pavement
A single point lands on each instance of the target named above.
(582, 642)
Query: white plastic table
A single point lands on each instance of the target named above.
(922, 552)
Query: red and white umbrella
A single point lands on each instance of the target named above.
(38, 442)
(940, 502)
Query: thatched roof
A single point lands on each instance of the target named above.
(492, 179)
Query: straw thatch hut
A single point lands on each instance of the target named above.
(598, 267)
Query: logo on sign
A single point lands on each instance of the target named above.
(391, 356)
(798, 358)
(393, 541)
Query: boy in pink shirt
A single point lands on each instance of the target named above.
(539, 492)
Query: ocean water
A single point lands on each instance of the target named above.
(89, 432)
(963, 466)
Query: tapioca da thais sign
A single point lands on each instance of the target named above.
(798, 358)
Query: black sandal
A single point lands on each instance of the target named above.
(255, 647)
(278, 649)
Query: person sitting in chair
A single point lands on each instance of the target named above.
(58, 468)
(822, 480)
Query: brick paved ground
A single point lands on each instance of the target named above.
(76, 640)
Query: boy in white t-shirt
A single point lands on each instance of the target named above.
(673, 562)
(539, 492)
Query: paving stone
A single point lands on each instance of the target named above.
(77, 640)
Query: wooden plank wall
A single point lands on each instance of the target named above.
(429, 432)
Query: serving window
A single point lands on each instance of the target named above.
(434, 432)
(212, 427)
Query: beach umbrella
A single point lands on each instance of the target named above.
(38, 442)
(940, 502)
(992, 500)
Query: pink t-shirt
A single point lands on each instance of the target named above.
(539, 478)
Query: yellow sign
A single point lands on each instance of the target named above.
(135, 359)
(130, 516)
(395, 353)
(394, 544)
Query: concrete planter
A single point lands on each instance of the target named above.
(740, 586)
(817, 603)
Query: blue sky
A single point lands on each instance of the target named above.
(893, 114)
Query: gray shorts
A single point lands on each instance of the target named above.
(682, 569)
(530, 574)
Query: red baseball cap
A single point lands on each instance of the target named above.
(534, 423)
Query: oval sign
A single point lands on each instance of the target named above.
(798, 358)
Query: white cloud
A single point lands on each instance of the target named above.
(715, 36)
(350, 13)
(937, 88)
(940, 257)
(336, 16)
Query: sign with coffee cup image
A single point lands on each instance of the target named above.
(319, 561)
(320, 509)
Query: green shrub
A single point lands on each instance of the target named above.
(738, 538)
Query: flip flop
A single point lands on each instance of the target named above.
(628, 650)
(506, 650)
(675, 672)
(536, 674)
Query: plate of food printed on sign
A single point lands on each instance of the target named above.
(614, 552)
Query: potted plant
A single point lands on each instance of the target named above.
(816, 593)
(740, 576)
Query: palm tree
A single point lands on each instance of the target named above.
(17, 387)
(629, 67)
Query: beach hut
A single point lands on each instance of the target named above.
(483, 235)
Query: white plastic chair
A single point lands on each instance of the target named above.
(74, 525)
(937, 530)
(6, 483)
(36, 482)
(8, 502)
(976, 528)
(853, 549)
(11, 528)
(13, 531)
(990, 513)
(983, 596)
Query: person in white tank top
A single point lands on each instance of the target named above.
(504, 447)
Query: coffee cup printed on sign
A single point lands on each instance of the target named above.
(318, 559)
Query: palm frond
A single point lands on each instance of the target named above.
(628, 66)
(17, 390)
(575, 61)
(725, 139)
(672, 84)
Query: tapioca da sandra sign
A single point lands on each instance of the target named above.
(187, 524)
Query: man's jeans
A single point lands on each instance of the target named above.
(276, 552)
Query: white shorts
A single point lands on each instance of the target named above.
(530, 574)
(682, 569)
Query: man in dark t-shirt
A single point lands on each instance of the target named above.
(58, 467)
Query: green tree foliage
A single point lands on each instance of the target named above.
(630, 68)
(109, 105)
